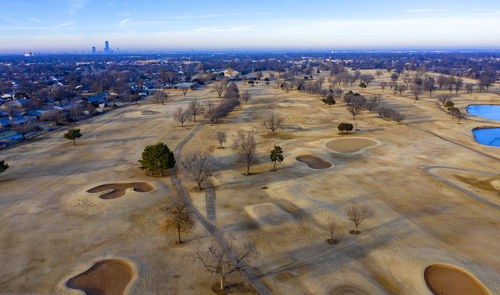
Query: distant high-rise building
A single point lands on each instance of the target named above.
(106, 47)
(93, 50)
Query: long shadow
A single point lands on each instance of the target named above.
(125, 139)
(348, 250)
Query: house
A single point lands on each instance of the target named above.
(231, 74)
(11, 121)
(37, 113)
(97, 100)
(185, 85)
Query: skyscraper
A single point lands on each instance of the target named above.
(106, 47)
(93, 50)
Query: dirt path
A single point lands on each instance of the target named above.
(427, 169)
(248, 272)
(210, 202)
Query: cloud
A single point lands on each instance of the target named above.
(220, 29)
(124, 21)
(423, 10)
(76, 5)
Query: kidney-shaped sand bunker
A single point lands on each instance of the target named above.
(448, 280)
(314, 162)
(106, 277)
(119, 189)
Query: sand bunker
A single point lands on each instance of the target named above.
(314, 162)
(119, 189)
(349, 145)
(107, 277)
(266, 214)
(148, 112)
(449, 280)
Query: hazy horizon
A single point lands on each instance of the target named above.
(75, 26)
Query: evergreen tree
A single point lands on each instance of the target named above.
(157, 157)
(73, 134)
(276, 155)
(3, 166)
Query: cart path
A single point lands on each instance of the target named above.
(427, 170)
(248, 272)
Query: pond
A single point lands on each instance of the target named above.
(488, 136)
(489, 111)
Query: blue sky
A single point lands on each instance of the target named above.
(77, 25)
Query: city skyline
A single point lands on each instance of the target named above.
(77, 25)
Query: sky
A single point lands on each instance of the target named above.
(77, 25)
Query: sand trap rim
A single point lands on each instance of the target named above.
(377, 143)
(83, 267)
(471, 276)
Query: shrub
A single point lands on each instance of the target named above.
(345, 127)
(329, 100)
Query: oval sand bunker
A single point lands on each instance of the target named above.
(449, 280)
(349, 145)
(118, 189)
(106, 277)
(314, 162)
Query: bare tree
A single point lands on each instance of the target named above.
(219, 87)
(245, 96)
(195, 109)
(444, 98)
(383, 85)
(356, 105)
(245, 145)
(459, 82)
(52, 115)
(181, 115)
(332, 227)
(429, 84)
(25, 128)
(469, 87)
(354, 111)
(179, 220)
(160, 96)
(401, 88)
(456, 113)
(221, 138)
(416, 90)
(199, 166)
(273, 122)
(441, 81)
(337, 92)
(223, 261)
(357, 214)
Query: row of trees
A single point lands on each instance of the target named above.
(231, 101)
(200, 165)
(356, 103)
(446, 101)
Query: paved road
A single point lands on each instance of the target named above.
(427, 170)
(248, 272)
(210, 202)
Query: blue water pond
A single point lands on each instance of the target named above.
(488, 136)
(489, 111)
